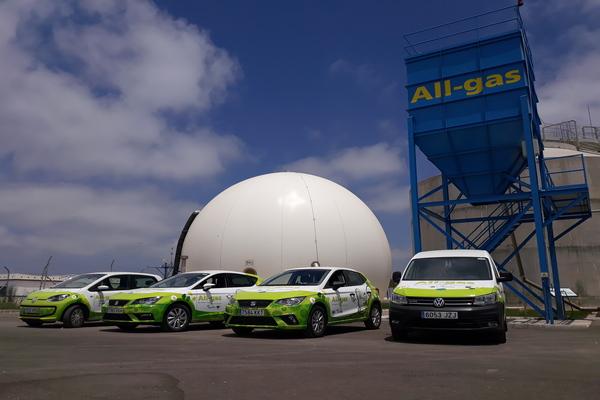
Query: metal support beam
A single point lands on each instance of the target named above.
(560, 305)
(414, 186)
(448, 223)
(537, 209)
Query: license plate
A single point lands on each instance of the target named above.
(115, 310)
(30, 310)
(439, 315)
(252, 313)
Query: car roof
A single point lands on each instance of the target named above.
(111, 273)
(452, 253)
(214, 271)
(323, 267)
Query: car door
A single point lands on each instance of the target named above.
(358, 283)
(337, 293)
(236, 282)
(212, 300)
(115, 283)
(142, 281)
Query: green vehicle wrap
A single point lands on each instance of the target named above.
(265, 306)
(36, 306)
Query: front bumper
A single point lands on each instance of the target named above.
(490, 317)
(135, 314)
(41, 311)
(274, 317)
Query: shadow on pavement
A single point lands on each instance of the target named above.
(447, 338)
(273, 334)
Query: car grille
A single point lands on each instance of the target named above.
(254, 303)
(448, 301)
(252, 321)
(117, 302)
(116, 317)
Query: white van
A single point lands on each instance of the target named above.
(449, 289)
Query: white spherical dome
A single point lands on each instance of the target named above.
(282, 220)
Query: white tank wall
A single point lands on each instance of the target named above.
(277, 221)
(578, 252)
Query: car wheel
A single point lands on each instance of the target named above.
(399, 333)
(241, 331)
(74, 317)
(317, 322)
(33, 322)
(217, 324)
(176, 319)
(127, 327)
(374, 319)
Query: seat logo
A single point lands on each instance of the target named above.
(439, 302)
(252, 304)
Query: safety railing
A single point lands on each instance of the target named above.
(558, 176)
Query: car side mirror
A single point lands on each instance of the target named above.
(102, 288)
(208, 286)
(396, 276)
(505, 277)
(337, 284)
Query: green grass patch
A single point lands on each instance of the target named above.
(519, 312)
(8, 306)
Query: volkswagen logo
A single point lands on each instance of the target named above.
(252, 304)
(439, 302)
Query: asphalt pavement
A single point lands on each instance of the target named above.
(102, 362)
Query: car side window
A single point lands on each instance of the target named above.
(220, 281)
(355, 278)
(239, 280)
(337, 276)
(115, 282)
(142, 281)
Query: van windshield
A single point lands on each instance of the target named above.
(448, 269)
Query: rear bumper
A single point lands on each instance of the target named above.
(470, 318)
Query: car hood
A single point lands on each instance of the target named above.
(45, 293)
(445, 288)
(276, 292)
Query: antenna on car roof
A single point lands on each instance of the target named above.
(315, 264)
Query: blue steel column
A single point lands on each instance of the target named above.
(414, 187)
(560, 305)
(537, 209)
(447, 219)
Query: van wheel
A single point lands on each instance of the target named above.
(33, 322)
(317, 322)
(242, 331)
(74, 317)
(374, 319)
(399, 334)
(176, 319)
(500, 336)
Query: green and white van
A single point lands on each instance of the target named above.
(175, 302)
(306, 299)
(449, 289)
(79, 298)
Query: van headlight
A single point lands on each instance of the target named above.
(485, 300)
(147, 300)
(58, 297)
(398, 299)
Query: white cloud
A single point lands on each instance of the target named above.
(353, 163)
(363, 74)
(80, 220)
(87, 90)
(388, 197)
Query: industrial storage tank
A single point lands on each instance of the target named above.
(282, 220)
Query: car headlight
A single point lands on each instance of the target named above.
(398, 299)
(147, 300)
(58, 297)
(485, 299)
(292, 301)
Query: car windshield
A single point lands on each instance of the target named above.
(448, 269)
(79, 281)
(297, 277)
(180, 280)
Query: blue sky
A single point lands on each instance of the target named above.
(120, 118)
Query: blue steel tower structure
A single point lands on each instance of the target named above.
(472, 111)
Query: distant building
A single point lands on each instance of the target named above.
(21, 285)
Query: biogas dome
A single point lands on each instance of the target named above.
(283, 220)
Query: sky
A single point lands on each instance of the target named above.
(119, 118)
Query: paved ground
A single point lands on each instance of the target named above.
(99, 362)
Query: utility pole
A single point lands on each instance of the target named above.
(7, 294)
(111, 265)
(45, 273)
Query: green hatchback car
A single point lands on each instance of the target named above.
(307, 299)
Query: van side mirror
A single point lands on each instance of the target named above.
(396, 276)
(505, 277)
(102, 288)
(208, 286)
